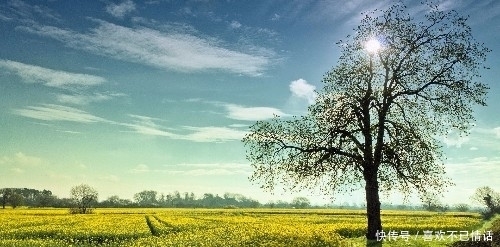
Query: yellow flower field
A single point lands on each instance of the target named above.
(211, 227)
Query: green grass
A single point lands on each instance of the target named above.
(491, 225)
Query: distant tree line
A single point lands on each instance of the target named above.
(151, 198)
(84, 198)
(15, 197)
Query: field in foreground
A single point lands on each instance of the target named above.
(225, 227)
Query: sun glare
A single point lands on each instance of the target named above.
(372, 46)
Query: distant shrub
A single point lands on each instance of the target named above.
(462, 207)
(81, 210)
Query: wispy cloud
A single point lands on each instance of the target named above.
(51, 112)
(20, 162)
(214, 165)
(4, 17)
(480, 138)
(484, 130)
(474, 170)
(302, 89)
(141, 124)
(497, 132)
(120, 10)
(205, 169)
(83, 99)
(200, 169)
(172, 51)
(22, 11)
(213, 134)
(337, 13)
(147, 126)
(252, 113)
(74, 84)
(210, 172)
(141, 168)
(109, 178)
(455, 140)
(275, 17)
(196, 169)
(49, 77)
(235, 25)
(21, 159)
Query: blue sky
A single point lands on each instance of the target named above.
(134, 95)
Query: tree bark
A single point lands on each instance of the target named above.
(372, 206)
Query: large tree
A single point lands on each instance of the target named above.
(401, 83)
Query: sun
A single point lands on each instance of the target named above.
(372, 46)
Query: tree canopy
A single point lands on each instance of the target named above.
(380, 116)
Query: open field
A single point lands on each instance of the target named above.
(222, 227)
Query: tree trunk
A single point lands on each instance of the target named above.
(372, 206)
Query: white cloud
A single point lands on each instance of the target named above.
(21, 159)
(455, 139)
(110, 178)
(301, 89)
(479, 159)
(275, 17)
(235, 25)
(497, 132)
(141, 168)
(203, 169)
(208, 172)
(20, 162)
(239, 125)
(213, 134)
(470, 173)
(5, 18)
(166, 50)
(214, 165)
(50, 77)
(146, 126)
(484, 138)
(26, 12)
(149, 130)
(81, 99)
(50, 112)
(120, 10)
(252, 113)
(24, 159)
